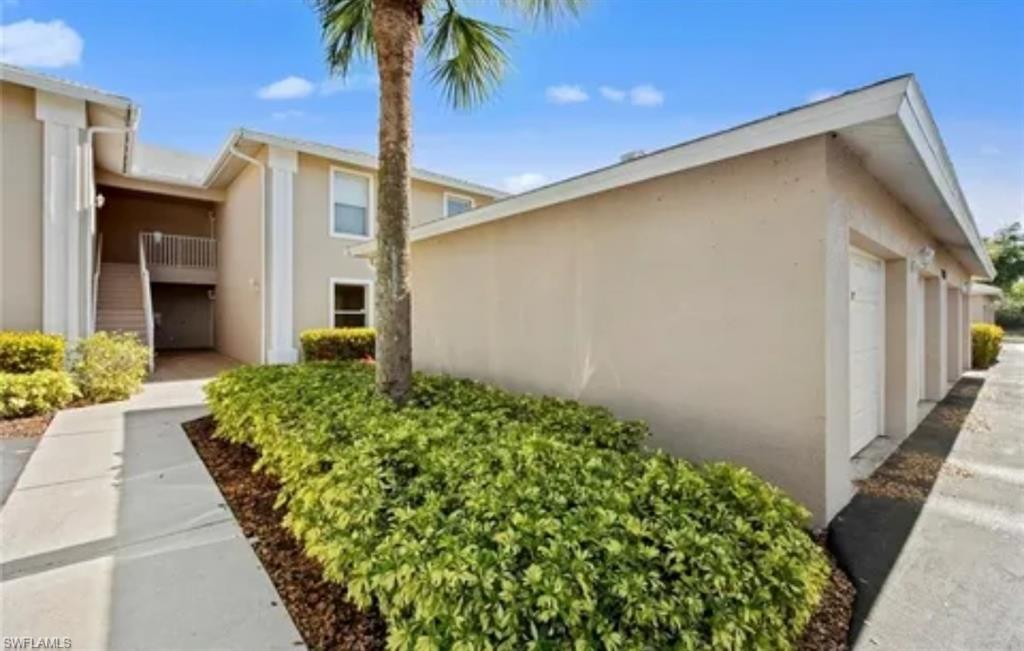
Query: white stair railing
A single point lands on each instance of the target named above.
(147, 298)
(97, 266)
(191, 251)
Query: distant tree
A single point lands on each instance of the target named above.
(467, 60)
(1006, 248)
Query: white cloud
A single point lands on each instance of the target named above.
(42, 45)
(613, 94)
(566, 94)
(288, 115)
(821, 94)
(288, 88)
(354, 82)
(523, 182)
(646, 95)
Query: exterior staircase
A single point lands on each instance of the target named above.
(120, 306)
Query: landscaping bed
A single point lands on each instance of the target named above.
(25, 427)
(474, 517)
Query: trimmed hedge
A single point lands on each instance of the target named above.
(26, 352)
(338, 344)
(28, 394)
(475, 518)
(986, 342)
(110, 366)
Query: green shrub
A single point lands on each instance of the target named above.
(28, 394)
(109, 366)
(1010, 316)
(25, 352)
(475, 518)
(986, 342)
(337, 344)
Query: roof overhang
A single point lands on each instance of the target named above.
(112, 150)
(887, 124)
(982, 289)
(225, 166)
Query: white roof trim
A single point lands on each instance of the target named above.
(338, 154)
(23, 77)
(982, 289)
(894, 97)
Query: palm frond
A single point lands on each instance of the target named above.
(347, 30)
(544, 11)
(468, 56)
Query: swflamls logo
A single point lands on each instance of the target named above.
(27, 642)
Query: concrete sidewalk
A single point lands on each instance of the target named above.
(946, 571)
(117, 537)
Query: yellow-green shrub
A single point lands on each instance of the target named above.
(475, 518)
(25, 352)
(986, 342)
(337, 344)
(28, 394)
(109, 366)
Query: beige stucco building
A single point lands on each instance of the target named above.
(239, 253)
(984, 300)
(783, 294)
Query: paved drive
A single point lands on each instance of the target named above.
(116, 537)
(958, 582)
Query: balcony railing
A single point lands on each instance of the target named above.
(164, 250)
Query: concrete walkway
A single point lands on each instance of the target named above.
(116, 537)
(947, 572)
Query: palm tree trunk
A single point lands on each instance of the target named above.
(395, 31)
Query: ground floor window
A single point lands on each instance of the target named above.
(349, 304)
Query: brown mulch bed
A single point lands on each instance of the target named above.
(27, 427)
(829, 627)
(320, 610)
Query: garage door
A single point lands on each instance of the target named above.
(867, 349)
(920, 335)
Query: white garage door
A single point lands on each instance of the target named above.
(867, 349)
(920, 335)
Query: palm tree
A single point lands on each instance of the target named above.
(468, 61)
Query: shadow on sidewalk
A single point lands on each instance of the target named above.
(867, 536)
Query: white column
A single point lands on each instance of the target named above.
(63, 120)
(954, 354)
(282, 165)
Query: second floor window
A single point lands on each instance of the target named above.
(351, 205)
(455, 204)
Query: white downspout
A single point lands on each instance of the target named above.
(263, 247)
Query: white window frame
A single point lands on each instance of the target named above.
(371, 208)
(456, 195)
(367, 287)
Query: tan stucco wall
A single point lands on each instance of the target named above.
(239, 269)
(127, 213)
(694, 301)
(319, 256)
(21, 210)
(983, 309)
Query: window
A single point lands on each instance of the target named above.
(351, 204)
(350, 302)
(455, 204)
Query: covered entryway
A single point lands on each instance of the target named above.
(867, 348)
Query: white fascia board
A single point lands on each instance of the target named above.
(923, 133)
(337, 154)
(49, 84)
(871, 103)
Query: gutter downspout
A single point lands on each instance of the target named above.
(263, 247)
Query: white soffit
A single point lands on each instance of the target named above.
(887, 124)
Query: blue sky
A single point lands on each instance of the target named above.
(671, 70)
